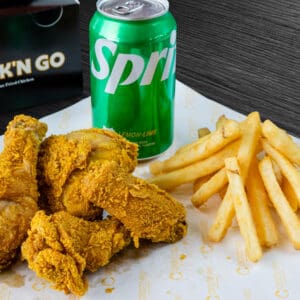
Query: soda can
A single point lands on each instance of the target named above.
(133, 61)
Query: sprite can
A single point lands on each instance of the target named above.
(133, 59)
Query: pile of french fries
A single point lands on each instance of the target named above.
(254, 166)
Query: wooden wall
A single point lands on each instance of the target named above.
(244, 54)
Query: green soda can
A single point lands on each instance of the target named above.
(133, 61)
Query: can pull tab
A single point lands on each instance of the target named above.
(128, 7)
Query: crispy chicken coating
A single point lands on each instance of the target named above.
(60, 247)
(64, 155)
(105, 181)
(18, 183)
(146, 210)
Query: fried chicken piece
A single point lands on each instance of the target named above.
(64, 155)
(105, 181)
(18, 183)
(146, 210)
(60, 247)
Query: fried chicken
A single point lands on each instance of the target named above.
(147, 211)
(105, 181)
(64, 155)
(18, 183)
(60, 247)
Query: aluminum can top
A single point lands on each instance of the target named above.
(133, 10)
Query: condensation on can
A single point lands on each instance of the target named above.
(133, 62)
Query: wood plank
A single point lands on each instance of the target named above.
(244, 54)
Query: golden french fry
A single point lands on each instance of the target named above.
(277, 172)
(258, 201)
(203, 132)
(219, 180)
(215, 142)
(251, 131)
(187, 147)
(200, 181)
(259, 149)
(156, 167)
(223, 219)
(201, 168)
(221, 121)
(281, 141)
(251, 136)
(223, 191)
(289, 193)
(242, 209)
(289, 219)
(213, 185)
(288, 170)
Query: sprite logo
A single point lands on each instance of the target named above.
(138, 67)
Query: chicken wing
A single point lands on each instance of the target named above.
(18, 184)
(105, 181)
(60, 247)
(146, 210)
(64, 155)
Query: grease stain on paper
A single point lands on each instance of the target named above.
(248, 294)
(39, 284)
(176, 297)
(108, 281)
(281, 291)
(175, 273)
(182, 256)
(207, 246)
(12, 279)
(109, 290)
(144, 286)
(242, 260)
(212, 284)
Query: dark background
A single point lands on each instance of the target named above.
(244, 54)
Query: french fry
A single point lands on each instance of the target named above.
(222, 192)
(251, 132)
(221, 121)
(289, 193)
(202, 168)
(156, 167)
(277, 172)
(248, 188)
(223, 219)
(288, 170)
(200, 181)
(203, 132)
(212, 186)
(281, 141)
(242, 209)
(187, 147)
(219, 180)
(289, 219)
(251, 135)
(215, 142)
(258, 201)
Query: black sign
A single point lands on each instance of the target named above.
(40, 58)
